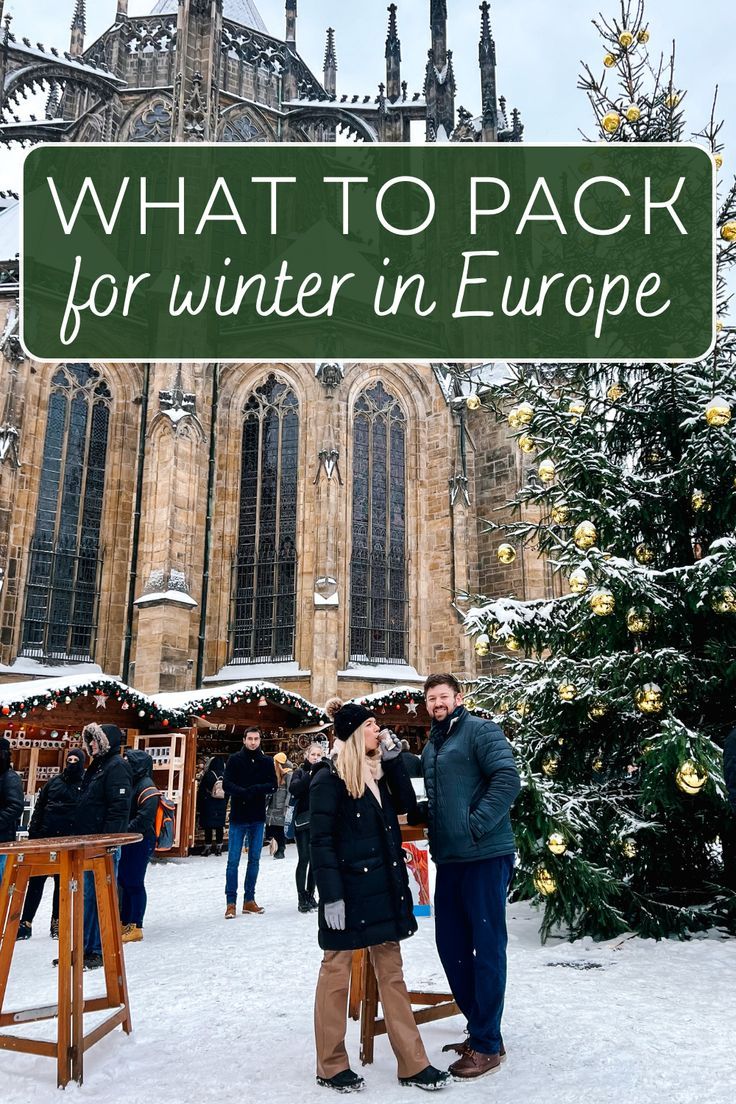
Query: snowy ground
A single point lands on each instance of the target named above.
(222, 1011)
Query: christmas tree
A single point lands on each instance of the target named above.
(618, 691)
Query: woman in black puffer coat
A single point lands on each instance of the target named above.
(365, 900)
(299, 785)
(212, 809)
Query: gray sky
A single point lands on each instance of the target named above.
(539, 44)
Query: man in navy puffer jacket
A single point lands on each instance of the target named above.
(471, 782)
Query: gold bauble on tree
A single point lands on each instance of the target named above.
(602, 602)
(638, 619)
(578, 581)
(560, 513)
(522, 708)
(728, 231)
(625, 39)
(699, 502)
(597, 710)
(597, 765)
(691, 777)
(544, 883)
(719, 161)
(632, 113)
(649, 699)
(521, 415)
(551, 764)
(718, 411)
(473, 402)
(512, 644)
(644, 554)
(567, 691)
(643, 36)
(611, 122)
(469, 703)
(526, 443)
(615, 392)
(629, 848)
(506, 553)
(724, 600)
(547, 471)
(609, 61)
(482, 644)
(557, 843)
(671, 100)
(585, 535)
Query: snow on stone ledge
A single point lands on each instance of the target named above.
(33, 668)
(234, 672)
(178, 597)
(382, 672)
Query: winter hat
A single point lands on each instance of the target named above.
(76, 753)
(280, 757)
(346, 718)
(108, 736)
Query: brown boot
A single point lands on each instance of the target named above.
(473, 1064)
(462, 1046)
(251, 906)
(230, 912)
(132, 933)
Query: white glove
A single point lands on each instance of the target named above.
(335, 915)
(390, 745)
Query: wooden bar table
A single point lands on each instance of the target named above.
(69, 857)
(363, 1001)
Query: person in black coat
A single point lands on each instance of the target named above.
(250, 779)
(104, 807)
(135, 857)
(365, 899)
(212, 809)
(11, 799)
(412, 762)
(53, 815)
(299, 785)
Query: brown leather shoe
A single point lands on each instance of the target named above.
(462, 1047)
(473, 1064)
(230, 912)
(251, 906)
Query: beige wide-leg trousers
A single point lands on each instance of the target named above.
(331, 1011)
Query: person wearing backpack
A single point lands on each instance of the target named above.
(53, 815)
(299, 791)
(277, 803)
(134, 860)
(213, 804)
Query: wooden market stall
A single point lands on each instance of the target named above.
(44, 718)
(219, 718)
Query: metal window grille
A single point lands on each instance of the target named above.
(65, 558)
(378, 577)
(263, 617)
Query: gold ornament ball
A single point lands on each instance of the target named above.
(522, 708)
(699, 502)
(560, 514)
(725, 600)
(629, 848)
(609, 61)
(521, 415)
(547, 471)
(473, 402)
(615, 392)
(602, 602)
(719, 161)
(576, 409)
(557, 843)
(469, 703)
(644, 554)
(611, 122)
(598, 764)
(649, 699)
(504, 707)
(643, 37)
(728, 231)
(585, 535)
(544, 883)
(506, 553)
(625, 39)
(512, 644)
(567, 691)
(578, 581)
(483, 644)
(719, 326)
(718, 412)
(526, 443)
(633, 113)
(691, 777)
(597, 710)
(672, 100)
(638, 619)
(550, 765)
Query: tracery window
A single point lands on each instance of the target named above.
(378, 577)
(62, 586)
(264, 591)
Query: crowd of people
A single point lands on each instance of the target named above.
(342, 810)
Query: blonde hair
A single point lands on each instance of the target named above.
(351, 760)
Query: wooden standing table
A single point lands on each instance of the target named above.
(364, 1001)
(69, 857)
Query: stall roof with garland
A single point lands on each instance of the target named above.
(28, 699)
(408, 702)
(204, 704)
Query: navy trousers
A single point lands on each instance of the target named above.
(470, 929)
(132, 880)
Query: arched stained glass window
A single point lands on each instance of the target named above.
(62, 586)
(378, 585)
(264, 601)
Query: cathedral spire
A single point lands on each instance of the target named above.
(196, 104)
(330, 66)
(122, 12)
(393, 57)
(487, 61)
(291, 22)
(79, 27)
(438, 23)
(439, 82)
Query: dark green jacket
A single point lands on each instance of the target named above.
(471, 783)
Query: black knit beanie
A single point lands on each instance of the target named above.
(350, 717)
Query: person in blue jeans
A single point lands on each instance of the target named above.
(250, 778)
(472, 782)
